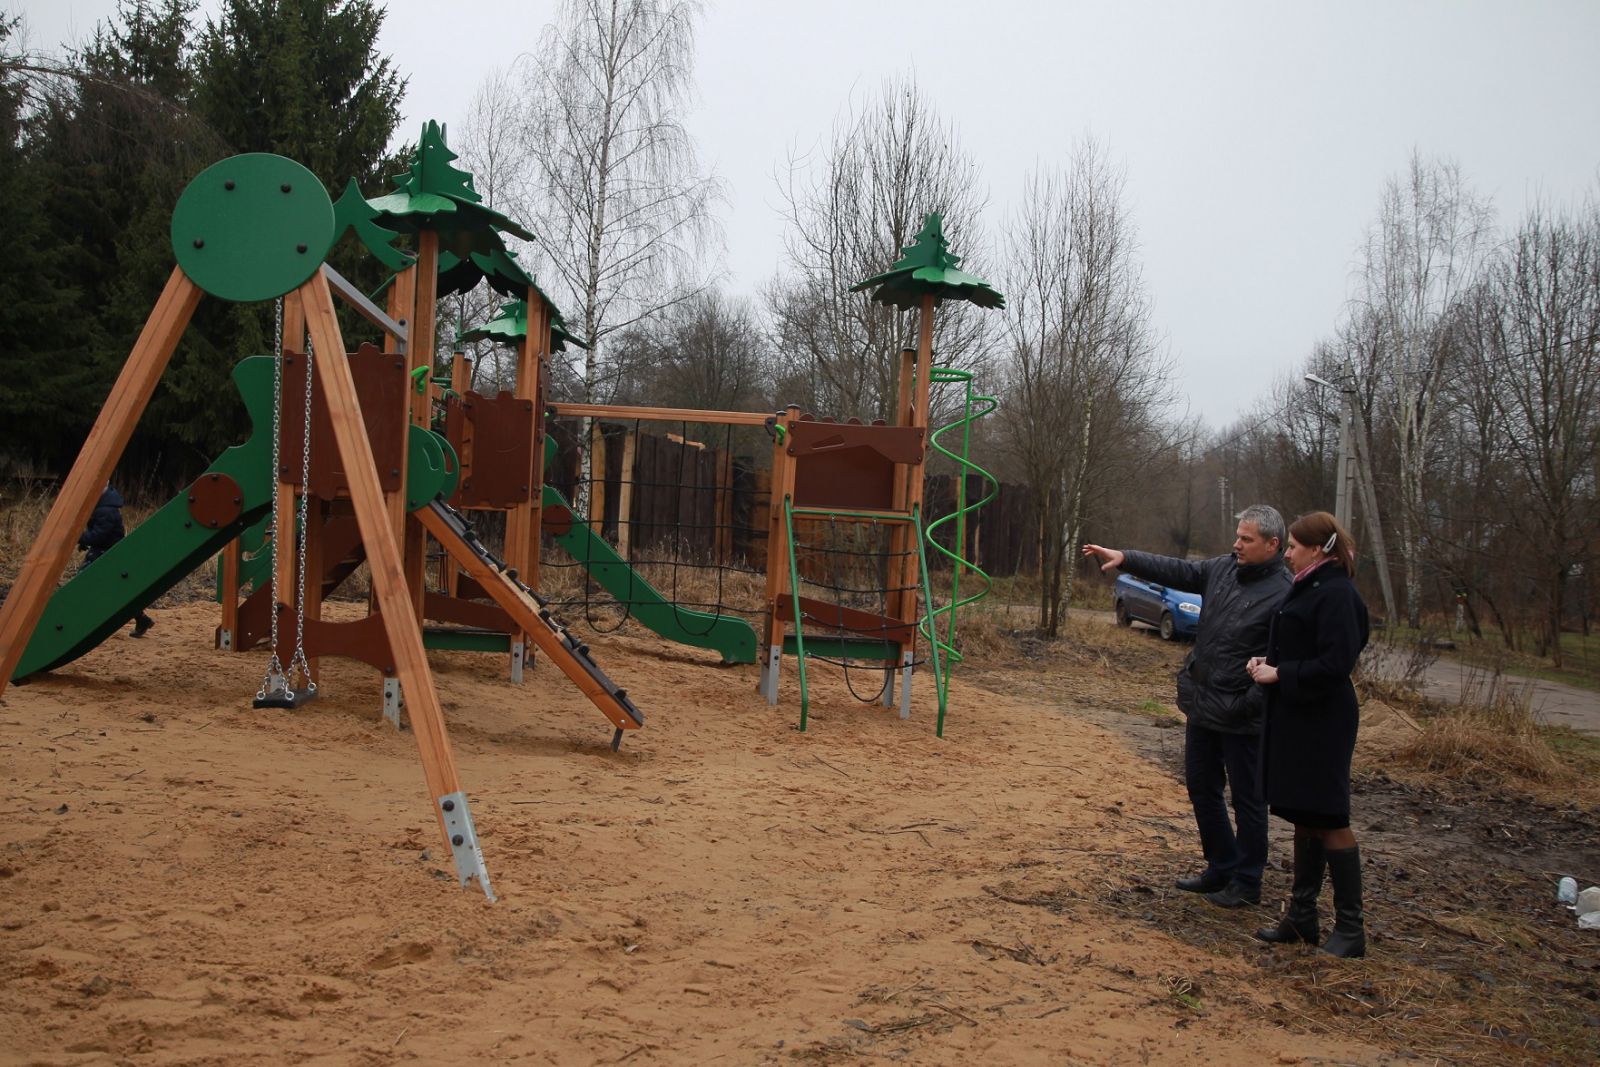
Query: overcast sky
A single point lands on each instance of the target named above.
(1256, 136)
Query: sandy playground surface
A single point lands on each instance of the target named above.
(184, 880)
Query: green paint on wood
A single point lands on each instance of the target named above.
(252, 227)
(734, 638)
(510, 326)
(436, 195)
(101, 598)
(926, 267)
(352, 212)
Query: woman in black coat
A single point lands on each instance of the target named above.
(1312, 714)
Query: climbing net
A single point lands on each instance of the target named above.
(684, 507)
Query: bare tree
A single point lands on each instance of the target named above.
(1424, 252)
(1546, 349)
(494, 152)
(851, 208)
(705, 353)
(1086, 372)
(618, 201)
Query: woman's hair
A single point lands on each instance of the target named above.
(1320, 529)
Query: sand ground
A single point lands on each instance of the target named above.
(185, 880)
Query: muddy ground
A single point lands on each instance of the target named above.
(186, 881)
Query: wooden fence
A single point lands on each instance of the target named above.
(686, 500)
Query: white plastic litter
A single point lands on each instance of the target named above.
(1589, 902)
(1589, 921)
(1567, 890)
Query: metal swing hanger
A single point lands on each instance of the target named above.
(276, 689)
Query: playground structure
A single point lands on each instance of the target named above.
(365, 458)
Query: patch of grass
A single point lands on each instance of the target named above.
(1158, 713)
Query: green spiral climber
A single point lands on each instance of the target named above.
(974, 407)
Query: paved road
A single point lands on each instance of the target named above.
(1555, 704)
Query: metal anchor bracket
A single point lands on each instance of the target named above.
(464, 841)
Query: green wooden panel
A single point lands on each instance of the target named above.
(852, 648)
(450, 640)
(101, 598)
(252, 227)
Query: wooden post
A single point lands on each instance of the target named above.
(316, 524)
(630, 444)
(232, 554)
(921, 391)
(383, 554)
(108, 437)
(419, 354)
(597, 477)
(402, 308)
(778, 546)
(903, 602)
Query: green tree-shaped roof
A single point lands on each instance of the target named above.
(352, 212)
(436, 195)
(925, 267)
(510, 326)
(498, 266)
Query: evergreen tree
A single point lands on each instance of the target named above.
(90, 177)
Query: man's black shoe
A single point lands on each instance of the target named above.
(1234, 895)
(1203, 883)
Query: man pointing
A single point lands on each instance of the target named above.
(1224, 708)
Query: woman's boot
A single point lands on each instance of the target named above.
(1299, 922)
(1349, 937)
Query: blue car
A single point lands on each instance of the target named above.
(1173, 613)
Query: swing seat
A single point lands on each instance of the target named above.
(285, 698)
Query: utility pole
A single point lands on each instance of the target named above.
(1222, 494)
(1355, 465)
(1342, 485)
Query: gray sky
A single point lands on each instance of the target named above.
(1256, 136)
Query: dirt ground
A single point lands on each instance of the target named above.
(185, 880)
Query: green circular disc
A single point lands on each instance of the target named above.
(252, 227)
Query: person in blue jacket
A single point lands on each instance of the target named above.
(1312, 715)
(1222, 708)
(104, 530)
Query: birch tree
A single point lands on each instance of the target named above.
(1547, 353)
(619, 202)
(1086, 370)
(1424, 252)
(851, 206)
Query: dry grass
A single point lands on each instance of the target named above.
(24, 506)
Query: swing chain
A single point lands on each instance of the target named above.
(299, 659)
(275, 681)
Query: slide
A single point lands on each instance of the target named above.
(733, 637)
(530, 614)
(233, 493)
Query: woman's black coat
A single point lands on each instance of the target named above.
(1312, 711)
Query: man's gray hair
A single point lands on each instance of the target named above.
(1269, 524)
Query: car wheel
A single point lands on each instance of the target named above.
(1169, 629)
(1123, 618)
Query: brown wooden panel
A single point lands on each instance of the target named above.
(380, 380)
(500, 429)
(441, 608)
(838, 617)
(215, 500)
(363, 640)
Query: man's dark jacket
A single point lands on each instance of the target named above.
(1213, 689)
